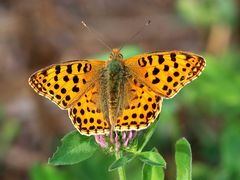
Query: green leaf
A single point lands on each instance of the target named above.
(153, 172)
(183, 158)
(74, 149)
(122, 161)
(152, 158)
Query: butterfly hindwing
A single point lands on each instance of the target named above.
(166, 72)
(86, 114)
(142, 107)
(65, 83)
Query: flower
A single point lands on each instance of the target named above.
(116, 140)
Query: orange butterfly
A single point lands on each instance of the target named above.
(116, 95)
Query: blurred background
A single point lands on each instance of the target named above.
(37, 33)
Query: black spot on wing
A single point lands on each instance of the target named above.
(69, 68)
(142, 62)
(176, 74)
(58, 69)
(44, 72)
(75, 79)
(155, 71)
(160, 59)
(150, 59)
(166, 68)
(65, 78)
(87, 68)
(169, 79)
(79, 67)
(173, 56)
(156, 80)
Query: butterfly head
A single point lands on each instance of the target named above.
(116, 55)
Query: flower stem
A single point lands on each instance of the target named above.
(121, 170)
(147, 136)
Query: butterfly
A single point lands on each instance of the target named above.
(116, 95)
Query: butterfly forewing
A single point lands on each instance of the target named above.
(65, 83)
(166, 72)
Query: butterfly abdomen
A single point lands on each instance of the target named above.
(113, 88)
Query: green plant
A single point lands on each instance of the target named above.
(76, 148)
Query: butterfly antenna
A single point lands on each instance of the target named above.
(97, 35)
(148, 22)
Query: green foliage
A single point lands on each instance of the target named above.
(46, 172)
(75, 148)
(150, 172)
(121, 161)
(183, 157)
(147, 135)
(230, 148)
(212, 106)
(9, 129)
(152, 158)
(208, 12)
(219, 85)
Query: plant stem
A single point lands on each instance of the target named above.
(148, 135)
(121, 170)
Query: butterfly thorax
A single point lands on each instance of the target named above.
(113, 88)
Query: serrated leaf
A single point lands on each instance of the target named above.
(122, 161)
(152, 158)
(74, 149)
(183, 158)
